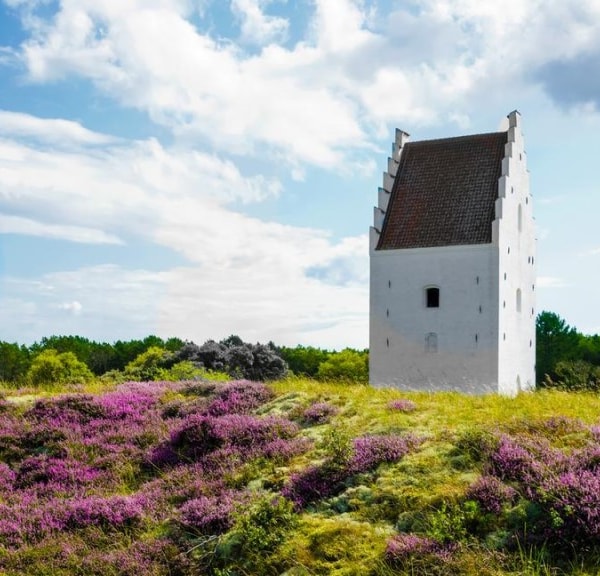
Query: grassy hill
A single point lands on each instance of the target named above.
(297, 478)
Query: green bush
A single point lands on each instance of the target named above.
(148, 364)
(575, 375)
(256, 535)
(348, 365)
(50, 367)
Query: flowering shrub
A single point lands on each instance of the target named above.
(370, 451)
(319, 413)
(56, 473)
(402, 405)
(561, 490)
(239, 397)
(200, 434)
(208, 515)
(68, 409)
(132, 401)
(327, 479)
(491, 493)
(402, 548)
(513, 461)
(113, 511)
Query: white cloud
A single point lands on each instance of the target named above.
(73, 307)
(26, 226)
(100, 194)
(53, 130)
(244, 274)
(352, 74)
(258, 27)
(257, 302)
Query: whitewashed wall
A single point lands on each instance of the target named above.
(466, 322)
(516, 245)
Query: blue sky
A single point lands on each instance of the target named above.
(198, 168)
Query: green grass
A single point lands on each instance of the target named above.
(347, 534)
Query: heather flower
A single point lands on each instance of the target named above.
(327, 479)
(147, 558)
(68, 409)
(595, 432)
(114, 511)
(319, 413)
(11, 531)
(511, 461)
(402, 405)
(312, 484)
(370, 451)
(491, 493)
(239, 397)
(54, 472)
(281, 450)
(7, 478)
(209, 515)
(402, 548)
(201, 434)
(572, 500)
(11, 433)
(131, 404)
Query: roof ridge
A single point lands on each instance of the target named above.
(455, 138)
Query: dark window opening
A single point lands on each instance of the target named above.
(433, 297)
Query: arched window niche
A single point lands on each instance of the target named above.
(431, 342)
(519, 298)
(432, 297)
(520, 218)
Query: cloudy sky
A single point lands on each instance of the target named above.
(198, 168)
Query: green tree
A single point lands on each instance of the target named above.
(556, 342)
(14, 362)
(304, 360)
(148, 364)
(348, 365)
(589, 349)
(52, 367)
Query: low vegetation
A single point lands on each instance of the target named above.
(296, 477)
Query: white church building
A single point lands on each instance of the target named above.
(452, 259)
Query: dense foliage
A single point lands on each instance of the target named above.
(173, 359)
(61, 359)
(564, 357)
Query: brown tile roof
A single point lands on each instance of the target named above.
(444, 192)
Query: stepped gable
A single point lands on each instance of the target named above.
(444, 192)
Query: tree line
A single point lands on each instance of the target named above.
(564, 358)
(73, 359)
